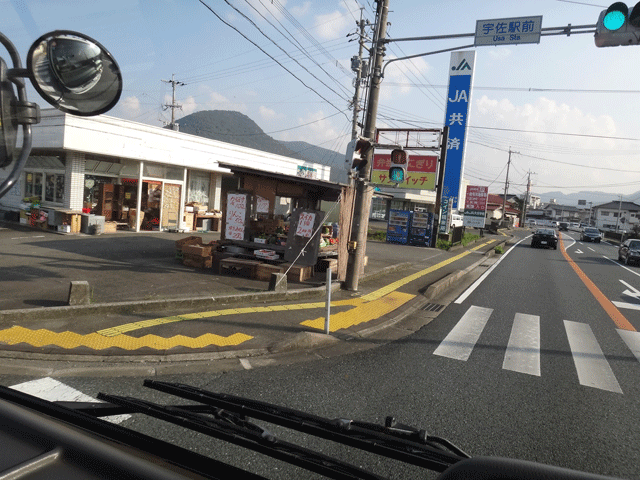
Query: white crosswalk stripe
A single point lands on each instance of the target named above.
(464, 336)
(522, 353)
(523, 350)
(591, 364)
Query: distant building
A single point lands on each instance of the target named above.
(616, 216)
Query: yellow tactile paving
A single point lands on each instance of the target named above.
(363, 313)
(69, 340)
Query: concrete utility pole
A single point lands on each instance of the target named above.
(526, 200)
(619, 210)
(361, 68)
(364, 191)
(506, 187)
(173, 105)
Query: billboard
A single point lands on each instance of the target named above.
(421, 171)
(475, 206)
(461, 71)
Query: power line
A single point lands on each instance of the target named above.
(270, 56)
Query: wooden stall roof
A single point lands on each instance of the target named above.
(331, 190)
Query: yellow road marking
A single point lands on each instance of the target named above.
(69, 340)
(403, 281)
(363, 313)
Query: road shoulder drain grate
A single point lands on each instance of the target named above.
(432, 307)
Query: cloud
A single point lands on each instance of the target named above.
(267, 113)
(547, 154)
(319, 131)
(333, 25)
(130, 106)
(403, 72)
(300, 11)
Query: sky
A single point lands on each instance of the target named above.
(567, 110)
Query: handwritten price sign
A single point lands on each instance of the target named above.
(305, 224)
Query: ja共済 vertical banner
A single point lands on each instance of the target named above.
(461, 71)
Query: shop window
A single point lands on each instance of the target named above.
(199, 186)
(49, 187)
(54, 188)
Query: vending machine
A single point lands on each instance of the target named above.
(398, 226)
(420, 229)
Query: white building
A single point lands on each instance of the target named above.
(115, 167)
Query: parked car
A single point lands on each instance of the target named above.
(531, 223)
(591, 234)
(629, 251)
(564, 226)
(544, 237)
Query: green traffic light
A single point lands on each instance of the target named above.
(396, 174)
(616, 16)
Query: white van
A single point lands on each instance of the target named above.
(531, 222)
(456, 220)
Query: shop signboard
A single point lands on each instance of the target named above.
(303, 241)
(475, 206)
(236, 216)
(444, 216)
(461, 70)
(421, 171)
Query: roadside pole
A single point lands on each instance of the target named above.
(364, 191)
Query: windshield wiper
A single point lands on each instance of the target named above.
(230, 422)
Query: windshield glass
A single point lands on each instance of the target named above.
(231, 222)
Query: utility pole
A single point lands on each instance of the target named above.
(173, 105)
(619, 209)
(506, 187)
(364, 190)
(526, 200)
(361, 68)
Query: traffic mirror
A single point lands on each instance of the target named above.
(74, 73)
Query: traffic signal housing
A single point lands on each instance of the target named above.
(399, 165)
(356, 157)
(617, 27)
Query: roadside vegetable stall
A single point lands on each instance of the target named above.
(273, 223)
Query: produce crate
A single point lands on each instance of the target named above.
(264, 271)
(197, 250)
(298, 273)
(197, 262)
(188, 241)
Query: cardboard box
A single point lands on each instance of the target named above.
(264, 271)
(110, 227)
(197, 250)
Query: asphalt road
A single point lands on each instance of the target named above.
(480, 404)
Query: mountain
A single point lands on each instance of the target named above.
(589, 196)
(233, 127)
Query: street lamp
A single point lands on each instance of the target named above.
(70, 70)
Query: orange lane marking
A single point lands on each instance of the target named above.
(615, 314)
